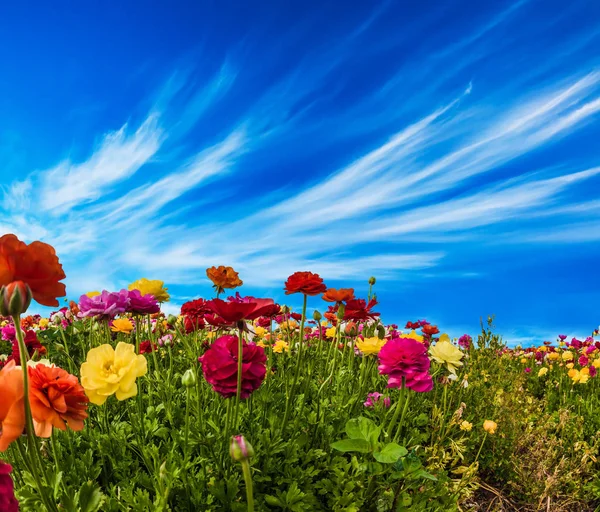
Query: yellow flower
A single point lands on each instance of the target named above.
(466, 426)
(445, 352)
(570, 365)
(92, 294)
(123, 325)
(370, 346)
(414, 336)
(523, 360)
(490, 426)
(108, 371)
(567, 356)
(330, 333)
(262, 344)
(543, 348)
(280, 346)
(553, 356)
(260, 331)
(596, 363)
(324, 323)
(543, 371)
(152, 287)
(44, 322)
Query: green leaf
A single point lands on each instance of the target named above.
(391, 453)
(90, 497)
(352, 445)
(363, 428)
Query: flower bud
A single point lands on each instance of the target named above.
(240, 449)
(372, 280)
(189, 378)
(341, 312)
(380, 331)
(15, 298)
(351, 329)
(317, 316)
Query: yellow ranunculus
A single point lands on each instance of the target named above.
(490, 426)
(570, 365)
(370, 346)
(466, 426)
(108, 371)
(280, 346)
(567, 356)
(553, 356)
(261, 344)
(445, 353)
(330, 333)
(414, 336)
(260, 331)
(444, 337)
(596, 363)
(523, 360)
(43, 322)
(543, 371)
(123, 325)
(152, 287)
(92, 294)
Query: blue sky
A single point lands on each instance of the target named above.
(451, 149)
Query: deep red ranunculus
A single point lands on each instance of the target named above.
(31, 343)
(146, 347)
(8, 502)
(220, 366)
(234, 311)
(430, 330)
(405, 358)
(306, 283)
(358, 310)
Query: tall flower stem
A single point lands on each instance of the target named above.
(404, 409)
(480, 447)
(248, 482)
(399, 406)
(31, 439)
(238, 394)
(290, 397)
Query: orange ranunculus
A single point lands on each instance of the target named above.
(430, 330)
(36, 265)
(341, 295)
(223, 277)
(12, 405)
(56, 397)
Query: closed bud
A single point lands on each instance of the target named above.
(59, 347)
(380, 331)
(240, 449)
(317, 316)
(372, 280)
(189, 378)
(15, 298)
(351, 329)
(172, 319)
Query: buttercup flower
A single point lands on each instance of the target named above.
(567, 356)
(36, 265)
(8, 502)
(220, 366)
(490, 426)
(152, 287)
(406, 358)
(445, 353)
(466, 426)
(543, 371)
(105, 305)
(223, 277)
(370, 346)
(56, 399)
(123, 325)
(341, 295)
(109, 371)
(306, 283)
(12, 405)
(280, 346)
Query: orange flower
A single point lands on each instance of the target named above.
(56, 397)
(223, 277)
(12, 405)
(341, 295)
(36, 265)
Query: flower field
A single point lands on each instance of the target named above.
(240, 403)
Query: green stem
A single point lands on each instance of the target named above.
(248, 482)
(238, 394)
(404, 409)
(399, 405)
(480, 447)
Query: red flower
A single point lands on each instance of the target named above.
(233, 312)
(359, 311)
(306, 283)
(31, 343)
(430, 330)
(147, 346)
(413, 325)
(56, 398)
(341, 295)
(35, 264)
(8, 502)
(220, 366)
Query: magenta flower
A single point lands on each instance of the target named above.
(593, 371)
(583, 361)
(527, 370)
(9, 333)
(405, 359)
(373, 398)
(105, 305)
(141, 304)
(465, 341)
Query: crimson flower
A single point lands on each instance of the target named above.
(306, 283)
(220, 366)
(233, 312)
(8, 502)
(359, 311)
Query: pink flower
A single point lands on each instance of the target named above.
(220, 366)
(593, 371)
(583, 361)
(141, 304)
(105, 305)
(373, 398)
(405, 360)
(8, 502)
